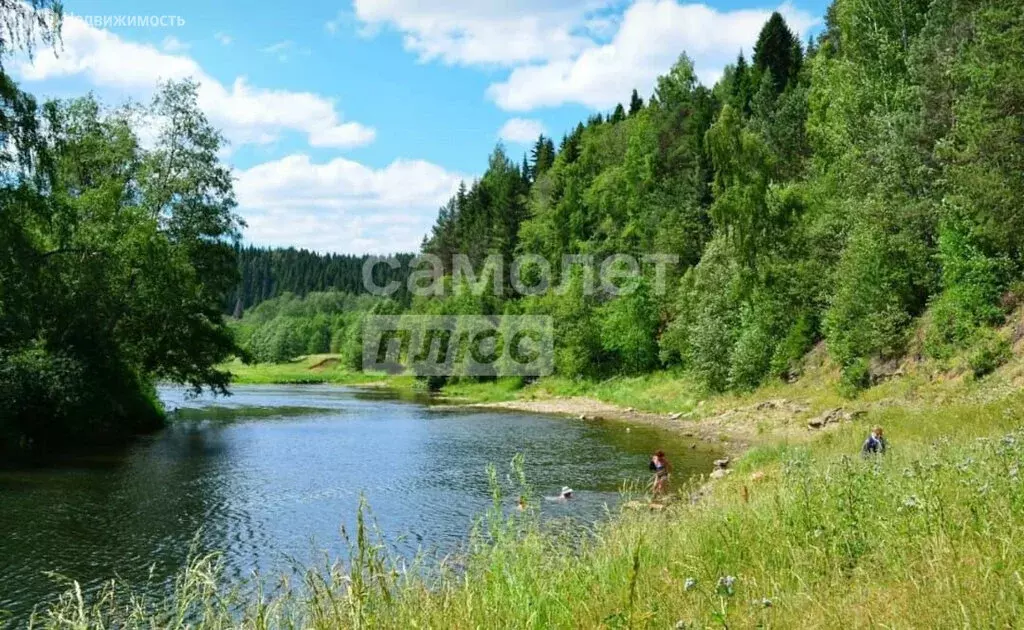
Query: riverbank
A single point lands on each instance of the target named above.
(793, 412)
(802, 533)
(799, 533)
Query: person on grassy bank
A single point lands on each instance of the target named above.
(875, 444)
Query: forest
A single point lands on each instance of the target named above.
(266, 273)
(861, 191)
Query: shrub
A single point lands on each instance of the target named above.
(856, 376)
(990, 351)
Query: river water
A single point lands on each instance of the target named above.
(269, 475)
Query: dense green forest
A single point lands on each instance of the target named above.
(863, 191)
(288, 326)
(115, 260)
(270, 272)
(853, 192)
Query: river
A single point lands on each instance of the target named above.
(269, 475)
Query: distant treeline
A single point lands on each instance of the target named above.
(267, 273)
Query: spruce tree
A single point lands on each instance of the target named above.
(635, 103)
(543, 156)
(618, 115)
(741, 88)
(777, 51)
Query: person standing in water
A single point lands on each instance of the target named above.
(660, 466)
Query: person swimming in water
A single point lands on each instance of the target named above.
(563, 496)
(660, 466)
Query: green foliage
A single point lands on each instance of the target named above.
(578, 347)
(777, 53)
(629, 326)
(635, 104)
(286, 327)
(268, 273)
(119, 260)
(883, 280)
(856, 376)
(704, 332)
(990, 351)
(829, 198)
(973, 284)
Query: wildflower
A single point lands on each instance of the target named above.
(965, 465)
(681, 625)
(911, 502)
(1013, 472)
(725, 585)
(690, 584)
(764, 602)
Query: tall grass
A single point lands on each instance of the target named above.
(930, 536)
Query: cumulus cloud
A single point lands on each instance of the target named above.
(223, 38)
(342, 205)
(521, 130)
(487, 31)
(574, 51)
(246, 114)
(650, 37)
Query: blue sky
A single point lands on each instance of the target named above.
(351, 122)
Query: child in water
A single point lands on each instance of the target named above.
(660, 466)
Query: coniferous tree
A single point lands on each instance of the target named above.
(777, 51)
(543, 156)
(635, 103)
(741, 90)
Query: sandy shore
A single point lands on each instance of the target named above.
(593, 410)
(735, 429)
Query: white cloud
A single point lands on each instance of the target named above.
(486, 31)
(172, 44)
(342, 205)
(651, 35)
(246, 114)
(521, 130)
(573, 51)
(223, 38)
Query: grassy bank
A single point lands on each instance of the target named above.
(930, 536)
(802, 534)
(311, 369)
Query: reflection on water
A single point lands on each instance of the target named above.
(269, 475)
